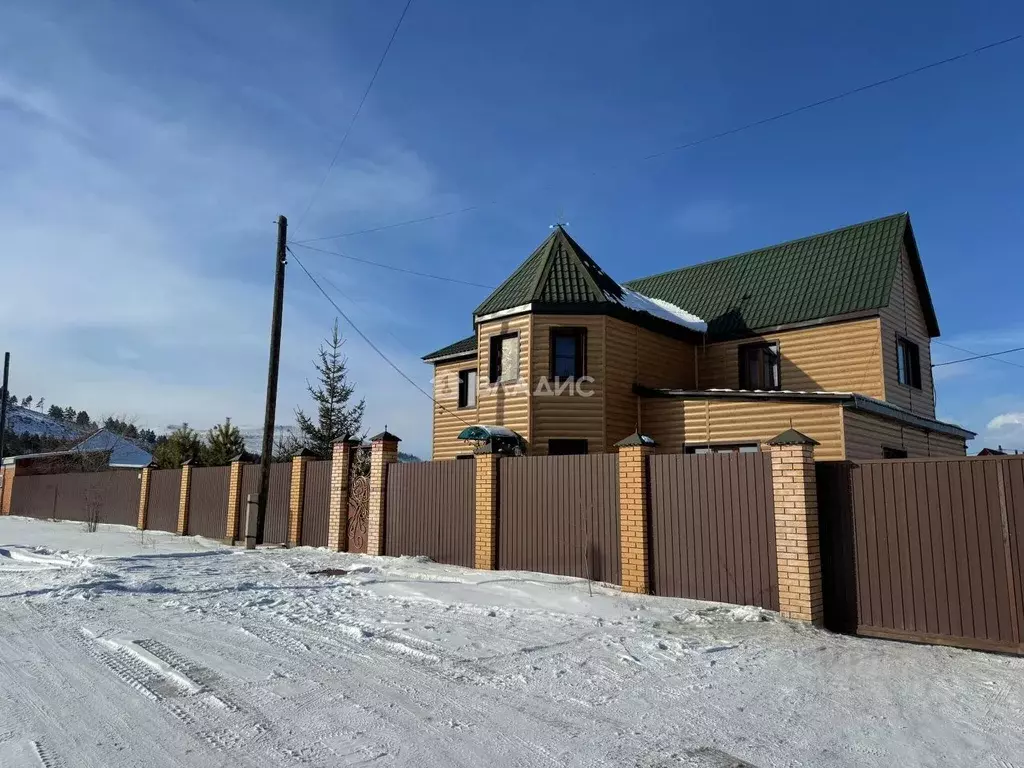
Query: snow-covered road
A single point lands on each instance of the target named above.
(124, 650)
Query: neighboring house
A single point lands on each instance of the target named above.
(829, 334)
(124, 454)
(102, 448)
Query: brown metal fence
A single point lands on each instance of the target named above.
(560, 514)
(940, 550)
(713, 528)
(275, 529)
(838, 555)
(208, 502)
(164, 491)
(316, 498)
(430, 510)
(250, 486)
(107, 497)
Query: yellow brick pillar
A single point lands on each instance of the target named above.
(234, 497)
(798, 550)
(183, 497)
(144, 477)
(7, 490)
(634, 531)
(298, 488)
(337, 513)
(485, 527)
(383, 452)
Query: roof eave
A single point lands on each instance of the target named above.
(923, 294)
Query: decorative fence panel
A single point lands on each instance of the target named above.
(164, 494)
(208, 502)
(939, 549)
(430, 510)
(316, 504)
(560, 514)
(105, 497)
(712, 528)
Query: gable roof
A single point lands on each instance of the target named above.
(462, 348)
(123, 452)
(835, 273)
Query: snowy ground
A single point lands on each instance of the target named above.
(124, 650)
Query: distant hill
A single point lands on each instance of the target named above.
(23, 421)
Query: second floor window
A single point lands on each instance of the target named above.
(908, 363)
(467, 388)
(504, 365)
(759, 367)
(568, 352)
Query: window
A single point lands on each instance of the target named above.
(504, 358)
(568, 352)
(893, 453)
(908, 363)
(563, 447)
(722, 448)
(759, 366)
(467, 388)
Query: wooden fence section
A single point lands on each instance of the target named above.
(939, 550)
(315, 504)
(164, 491)
(430, 510)
(107, 497)
(208, 502)
(560, 514)
(712, 528)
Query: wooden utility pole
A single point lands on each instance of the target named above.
(3, 404)
(275, 361)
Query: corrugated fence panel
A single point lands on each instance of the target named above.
(838, 554)
(560, 514)
(275, 527)
(108, 497)
(316, 503)
(208, 502)
(938, 550)
(430, 510)
(164, 489)
(712, 528)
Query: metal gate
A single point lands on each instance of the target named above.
(164, 492)
(430, 510)
(316, 497)
(208, 502)
(358, 500)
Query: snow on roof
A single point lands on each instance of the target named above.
(658, 308)
(782, 391)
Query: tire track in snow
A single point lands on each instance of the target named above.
(46, 760)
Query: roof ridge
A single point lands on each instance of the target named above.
(545, 270)
(905, 214)
(577, 250)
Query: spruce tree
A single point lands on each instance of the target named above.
(56, 412)
(180, 446)
(335, 417)
(223, 443)
(69, 414)
(82, 419)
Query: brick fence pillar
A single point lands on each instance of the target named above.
(485, 524)
(383, 451)
(144, 477)
(234, 497)
(6, 490)
(634, 532)
(183, 497)
(796, 526)
(337, 513)
(298, 488)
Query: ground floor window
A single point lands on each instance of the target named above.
(563, 447)
(722, 448)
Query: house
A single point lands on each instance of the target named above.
(101, 450)
(829, 334)
(124, 454)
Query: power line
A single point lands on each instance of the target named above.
(355, 115)
(711, 137)
(394, 268)
(373, 346)
(972, 352)
(979, 357)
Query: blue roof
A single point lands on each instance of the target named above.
(123, 452)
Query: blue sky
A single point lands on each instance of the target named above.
(146, 148)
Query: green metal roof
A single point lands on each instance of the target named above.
(835, 273)
(461, 348)
(558, 272)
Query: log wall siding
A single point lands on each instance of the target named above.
(675, 422)
(635, 355)
(508, 406)
(866, 435)
(904, 317)
(567, 414)
(447, 414)
(839, 357)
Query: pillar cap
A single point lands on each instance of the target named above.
(189, 462)
(793, 437)
(243, 456)
(385, 437)
(636, 439)
(304, 453)
(348, 440)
